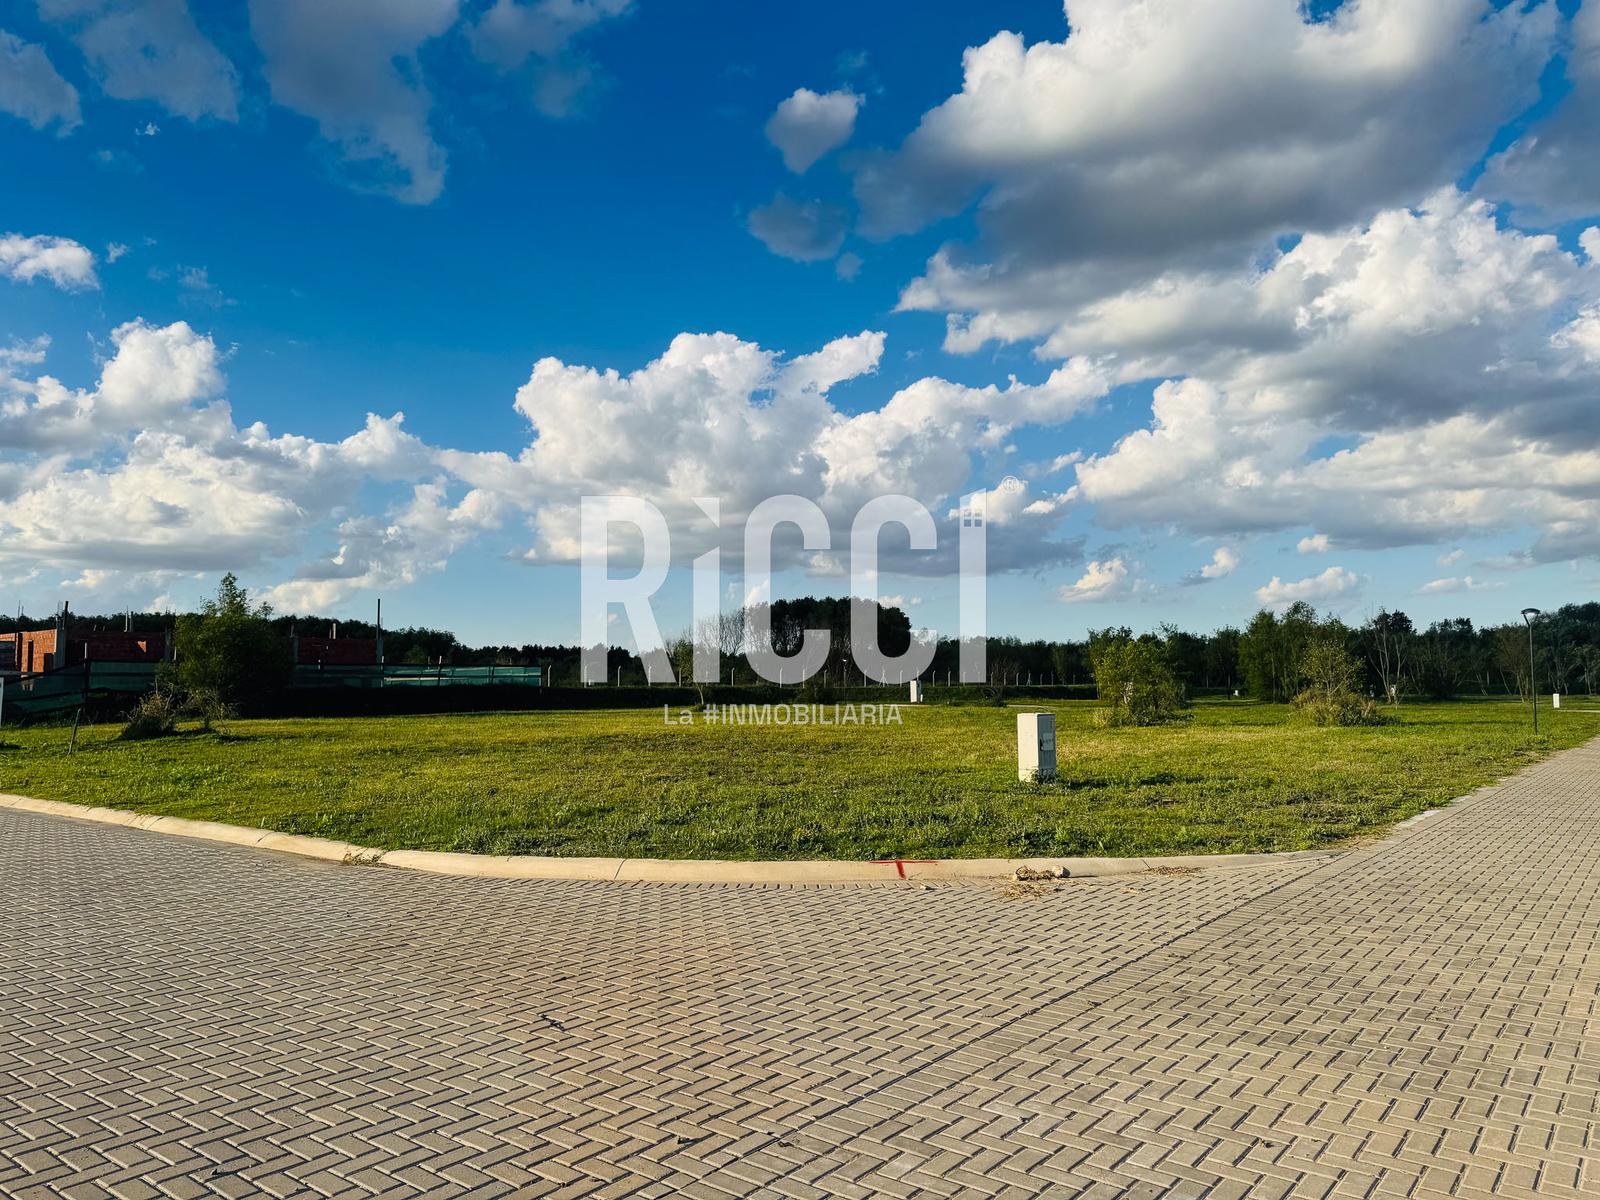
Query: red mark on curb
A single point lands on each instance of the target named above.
(900, 863)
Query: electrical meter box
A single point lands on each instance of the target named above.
(1036, 746)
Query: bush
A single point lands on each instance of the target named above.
(156, 715)
(158, 712)
(207, 707)
(1136, 684)
(1330, 695)
(994, 692)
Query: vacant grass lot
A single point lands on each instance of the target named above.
(1234, 777)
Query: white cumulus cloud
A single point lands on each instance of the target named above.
(1101, 580)
(718, 416)
(804, 230)
(1552, 172)
(146, 473)
(1224, 561)
(1467, 583)
(32, 88)
(151, 50)
(1384, 359)
(352, 67)
(809, 125)
(64, 262)
(1332, 584)
(539, 36)
(1425, 339)
(1167, 135)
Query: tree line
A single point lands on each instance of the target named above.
(1446, 659)
(1265, 659)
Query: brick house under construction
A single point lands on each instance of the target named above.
(34, 650)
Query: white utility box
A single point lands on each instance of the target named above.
(916, 691)
(1555, 700)
(1036, 746)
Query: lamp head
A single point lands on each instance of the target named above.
(1528, 614)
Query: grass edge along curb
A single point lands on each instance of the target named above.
(649, 870)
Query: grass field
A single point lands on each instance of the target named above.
(1236, 776)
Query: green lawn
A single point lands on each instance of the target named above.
(1236, 776)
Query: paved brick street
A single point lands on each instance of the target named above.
(1417, 1018)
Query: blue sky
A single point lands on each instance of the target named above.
(383, 239)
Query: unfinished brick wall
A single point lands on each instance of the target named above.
(37, 645)
(39, 649)
(116, 646)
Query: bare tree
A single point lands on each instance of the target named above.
(710, 641)
(1389, 638)
(732, 633)
(1588, 666)
(1511, 656)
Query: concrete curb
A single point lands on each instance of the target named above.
(649, 870)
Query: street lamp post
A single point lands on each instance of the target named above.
(1528, 614)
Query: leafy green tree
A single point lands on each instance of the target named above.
(1222, 658)
(1300, 629)
(1069, 661)
(229, 651)
(1272, 647)
(1259, 651)
(1444, 657)
(1135, 680)
(1186, 655)
(790, 619)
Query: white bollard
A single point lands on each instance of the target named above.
(1036, 746)
(916, 691)
(1555, 699)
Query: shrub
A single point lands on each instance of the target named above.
(156, 715)
(1136, 684)
(993, 694)
(1330, 694)
(158, 712)
(207, 707)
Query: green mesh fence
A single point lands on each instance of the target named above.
(72, 687)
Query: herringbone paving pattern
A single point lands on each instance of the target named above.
(1417, 1018)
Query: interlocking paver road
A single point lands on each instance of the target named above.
(1417, 1018)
